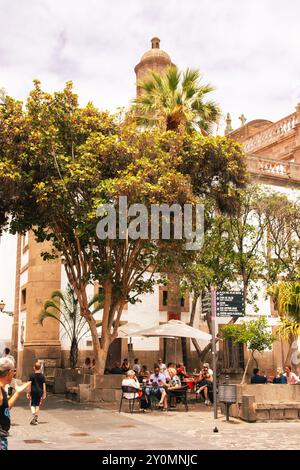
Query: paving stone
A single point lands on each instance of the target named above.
(104, 427)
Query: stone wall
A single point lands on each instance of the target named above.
(259, 402)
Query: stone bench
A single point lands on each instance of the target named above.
(277, 411)
(49, 383)
(265, 402)
(107, 388)
(72, 391)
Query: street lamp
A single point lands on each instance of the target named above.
(2, 306)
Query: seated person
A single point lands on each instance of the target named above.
(291, 377)
(172, 385)
(157, 380)
(206, 366)
(131, 381)
(257, 378)
(144, 374)
(137, 366)
(167, 375)
(181, 372)
(125, 365)
(162, 366)
(116, 369)
(279, 377)
(205, 386)
(87, 366)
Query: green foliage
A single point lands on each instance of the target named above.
(287, 328)
(174, 99)
(60, 161)
(283, 249)
(286, 296)
(252, 333)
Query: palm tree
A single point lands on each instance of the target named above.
(286, 297)
(64, 308)
(173, 101)
(176, 99)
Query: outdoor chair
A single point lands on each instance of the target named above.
(180, 395)
(131, 401)
(154, 402)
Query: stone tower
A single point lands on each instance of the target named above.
(155, 60)
(35, 281)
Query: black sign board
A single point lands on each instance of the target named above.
(206, 303)
(230, 304)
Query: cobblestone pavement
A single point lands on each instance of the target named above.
(67, 425)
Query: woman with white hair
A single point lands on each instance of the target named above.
(7, 371)
(131, 381)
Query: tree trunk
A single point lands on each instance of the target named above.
(174, 311)
(100, 352)
(74, 353)
(192, 319)
(289, 354)
(245, 371)
(209, 346)
(254, 359)
(184, 352)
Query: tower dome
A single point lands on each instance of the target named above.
(154, 60)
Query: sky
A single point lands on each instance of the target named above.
(247, 50)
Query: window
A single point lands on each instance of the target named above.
(23, 298)
(165, 298)
(182, 301)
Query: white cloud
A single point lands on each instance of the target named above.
(247, 50)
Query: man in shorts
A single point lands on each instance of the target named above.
(36, 392)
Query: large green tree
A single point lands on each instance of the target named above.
(61, 161)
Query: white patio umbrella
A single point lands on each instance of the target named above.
(173, 329)
(125, 330)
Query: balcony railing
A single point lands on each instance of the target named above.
(268, 167)
(273, 133)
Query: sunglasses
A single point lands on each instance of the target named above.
(5, 371)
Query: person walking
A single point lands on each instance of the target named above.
(7, 371)
(36, 392)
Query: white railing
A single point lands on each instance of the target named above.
(271, 134)
(273, 168)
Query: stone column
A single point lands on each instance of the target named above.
(41, 341)
(15, 327)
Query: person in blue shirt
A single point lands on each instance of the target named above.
(279, 378)
(257, 378)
